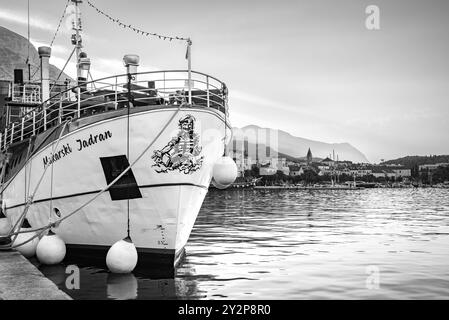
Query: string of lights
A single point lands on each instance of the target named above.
(137, 30)
(59, 24)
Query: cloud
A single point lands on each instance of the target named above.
(55, 49)
(21, 19)
(263, 103)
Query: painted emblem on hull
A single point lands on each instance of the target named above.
(183, 152)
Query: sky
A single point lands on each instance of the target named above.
(311, 68)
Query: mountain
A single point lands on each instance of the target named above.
(412, 161)
(295, 147)
(13, 55)
(265, 152)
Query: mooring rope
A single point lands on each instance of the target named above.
(22, 218)
(58, 221)
(12, 232)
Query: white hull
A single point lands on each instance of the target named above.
(161, 219)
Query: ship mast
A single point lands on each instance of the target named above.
(28, 31)
(76, 38)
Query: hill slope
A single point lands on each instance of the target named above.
(13, 55)
(411, 161)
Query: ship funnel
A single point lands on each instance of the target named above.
(44, 55)
(131, 63)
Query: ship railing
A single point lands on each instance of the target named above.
(158, 88)
(27, 93)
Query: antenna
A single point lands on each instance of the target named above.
(76, 38)
(28, 57)
(189, 66)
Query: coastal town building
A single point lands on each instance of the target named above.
(378, 173)
(267, 171)
(432, 167)
(274, 165)
(326, 171)
(243, 162)
(296, 171)
(328, 162)
(280, 164)
(326, 167)
(388, 172)
(360, 172)
(403, 172)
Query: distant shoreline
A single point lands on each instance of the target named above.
(331, 188)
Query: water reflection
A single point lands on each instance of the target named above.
(55, 273)
(121, 286)
(296, 244)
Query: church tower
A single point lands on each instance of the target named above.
(309, 157)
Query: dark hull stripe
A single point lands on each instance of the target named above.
(96, 191)
(100, 248)
(95, 255)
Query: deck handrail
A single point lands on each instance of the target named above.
(92, 97)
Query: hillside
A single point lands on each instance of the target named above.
(13, 55)
(297, 147)
(412, 161)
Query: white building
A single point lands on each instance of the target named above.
(285, 170)
(432, 167)
(267, 171)
(377, 173)
(403, 172)
(296, 171)
(280, 164)
(360, 172)
(390, 173)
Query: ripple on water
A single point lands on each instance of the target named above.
(299, 244)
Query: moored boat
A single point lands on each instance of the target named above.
(130, 154)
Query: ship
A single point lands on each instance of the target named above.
(97, 160)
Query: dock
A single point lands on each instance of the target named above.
(21, 280)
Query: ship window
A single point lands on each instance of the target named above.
(126, 187)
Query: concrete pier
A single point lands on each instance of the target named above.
(21, 280)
